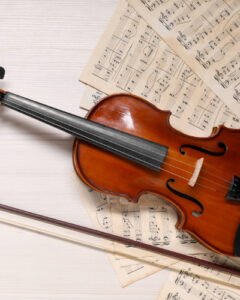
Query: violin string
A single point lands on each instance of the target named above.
(212, 174)
(225, 180)
(74, 127)
(169, 164)
(166, 163)
(203, 185)
(200, 176)
(184, 178)
(214, 169)
(175, 174)
(204, 170)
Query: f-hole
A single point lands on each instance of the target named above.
(221, 145)
(195, 213)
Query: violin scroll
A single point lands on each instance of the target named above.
(2, 72)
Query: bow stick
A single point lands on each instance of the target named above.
(120, 239)
(117, 238)
(109, 249)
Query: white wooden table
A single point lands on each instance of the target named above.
(44, 45)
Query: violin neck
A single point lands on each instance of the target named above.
(138, 150)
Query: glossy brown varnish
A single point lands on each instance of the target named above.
(105, 172)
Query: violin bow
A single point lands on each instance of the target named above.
(119, 239)
(116, 238)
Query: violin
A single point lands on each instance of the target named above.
(127, 147)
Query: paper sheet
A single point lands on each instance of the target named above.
(151, 221)
(127, 270)
(130, 57)
(186, 285)
(205, 34)
(98, 208)
(117, 215)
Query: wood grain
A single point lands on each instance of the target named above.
(216, 227)
(44, 47)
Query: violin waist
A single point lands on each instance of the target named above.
(198, 176)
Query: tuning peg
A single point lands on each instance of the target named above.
(2, 72)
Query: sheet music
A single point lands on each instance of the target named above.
(130, 57)
(205, 34)
(91, 97)
(151, 221)
(99, 209)
(186, 285)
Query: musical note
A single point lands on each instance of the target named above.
(147, 67)
(131, 57)
(186, 285)
(205, 34)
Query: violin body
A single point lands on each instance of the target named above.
(209, 208)
(127, 147)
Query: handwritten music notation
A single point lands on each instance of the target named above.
(205, 34)
(187, 285)
(179, 8)
(132, 58)
(151, 221)
(98, 207)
